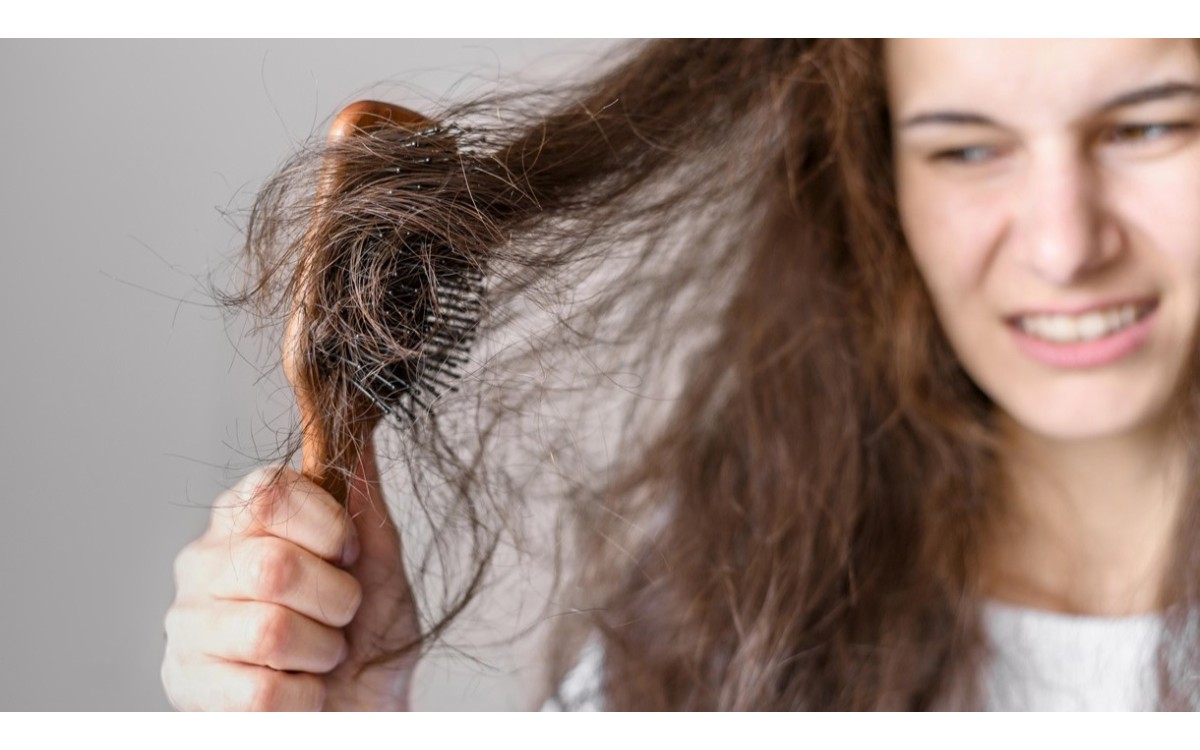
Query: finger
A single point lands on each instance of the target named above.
(257, 633)
(270, 569)
(215, 685)
(279, 501)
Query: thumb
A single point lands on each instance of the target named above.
(378, 539)
(386, 621)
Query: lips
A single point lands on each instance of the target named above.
(1091, 336)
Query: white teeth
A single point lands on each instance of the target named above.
(1068, 328)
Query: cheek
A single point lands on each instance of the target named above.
(1167, 208)
(951, 236)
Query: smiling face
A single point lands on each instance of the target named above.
(1050, 194)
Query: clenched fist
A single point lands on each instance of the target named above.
(286, 597)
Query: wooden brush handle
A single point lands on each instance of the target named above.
(355, 120)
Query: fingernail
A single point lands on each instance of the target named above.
(351, 549)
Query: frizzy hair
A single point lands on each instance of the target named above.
(705, 349)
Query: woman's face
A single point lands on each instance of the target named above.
(1050, 193)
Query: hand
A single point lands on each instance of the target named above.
(286, 596)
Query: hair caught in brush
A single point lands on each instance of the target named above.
(696, 338)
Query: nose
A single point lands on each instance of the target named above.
(1066, 232)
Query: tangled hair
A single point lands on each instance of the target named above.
(704, 348)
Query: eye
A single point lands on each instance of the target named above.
(967, 155)
(1136, 133)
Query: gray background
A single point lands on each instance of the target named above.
(128, 401)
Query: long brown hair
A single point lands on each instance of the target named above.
(705, 348)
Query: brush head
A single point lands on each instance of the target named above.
(384, 312)
(426, 309)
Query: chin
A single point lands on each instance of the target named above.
(1075, 432)
(1082, 421)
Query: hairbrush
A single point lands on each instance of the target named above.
(427, 298)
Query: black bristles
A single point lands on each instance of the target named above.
(411, 285)
(405, 385)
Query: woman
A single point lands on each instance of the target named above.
(922, 316)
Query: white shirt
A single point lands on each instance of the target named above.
(1042, 661)
(1047, 661)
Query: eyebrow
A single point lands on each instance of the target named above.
(1167, 90)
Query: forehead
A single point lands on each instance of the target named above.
(1052, 76)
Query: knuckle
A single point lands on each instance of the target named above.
(267, 498)
(254, 500)
(274, 691)
(263, 479)
(267, 692)
(271, 634)
(274, 568)
(307, 692)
